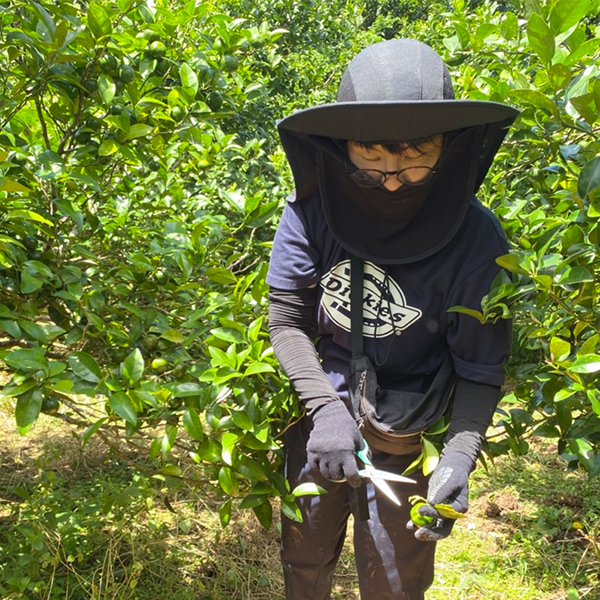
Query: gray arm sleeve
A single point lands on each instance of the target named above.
(291, 322)
(472, 411)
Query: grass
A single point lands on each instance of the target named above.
(81, 523)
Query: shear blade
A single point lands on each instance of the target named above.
(372, 473)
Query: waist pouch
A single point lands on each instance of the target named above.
(392, 420)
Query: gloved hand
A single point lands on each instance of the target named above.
(449, 484)
(332, 443)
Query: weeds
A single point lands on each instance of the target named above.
(84, 525)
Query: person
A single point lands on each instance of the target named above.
(387, 173)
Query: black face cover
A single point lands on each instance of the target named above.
(408, 224)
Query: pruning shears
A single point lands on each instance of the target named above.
(377, 476)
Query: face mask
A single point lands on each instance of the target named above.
(400, 205)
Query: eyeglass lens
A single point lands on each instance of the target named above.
(408, 176)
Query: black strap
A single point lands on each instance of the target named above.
(357, 273)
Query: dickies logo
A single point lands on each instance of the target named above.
(385, 311)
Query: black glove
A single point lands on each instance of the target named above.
(449, 485)
(332, 443)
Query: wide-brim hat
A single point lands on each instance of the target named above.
(396, 90)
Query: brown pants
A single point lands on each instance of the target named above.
(391, 563)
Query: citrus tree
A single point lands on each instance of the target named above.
(131, 264)
(545, 186)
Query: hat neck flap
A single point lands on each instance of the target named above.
(409, 224)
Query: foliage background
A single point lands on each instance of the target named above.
(141, 180)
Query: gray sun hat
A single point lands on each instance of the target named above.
(394, 90)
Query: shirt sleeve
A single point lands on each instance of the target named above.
(295, 261)
(480, 351)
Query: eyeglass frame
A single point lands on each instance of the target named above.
(351, 168)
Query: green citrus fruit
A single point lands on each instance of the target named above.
(417, 518)
(157, 49)
(177, 113)
(179, 370)
(159, 365)
(229, 63)
(244, 46)
(127, 73)
(151, 36)
(162, 66)
(214, 101)
(82, 136)
(50, 405)
(150, 342)
(30, 242)
(116, 109)
(154, 165)
(109, 64)
(205, 73)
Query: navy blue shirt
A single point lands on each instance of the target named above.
(408, 330)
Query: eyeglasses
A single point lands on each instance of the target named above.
(408, 176)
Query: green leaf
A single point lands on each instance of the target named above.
(241, 419)
(189, 79)
(228, 482)
(431, 456)
(251, 469)
(139, 130)
(448, 512)
(256, 368)
(30, 284)
(172, 335)
(92, 429)
(28, 215)
(122, 405)
(468, 311)
(309, 488)
(566, 13)
(225, 513)
(85, 366)
(187, 389)
(11, 327)
(559, 349)
(589, 178)
(264, 513)
(541, 38)
(27, 410)
(12, 391)
(27, 359)
(510, 262)
(535, 98)
(8, 185)
(228, 441)
(573, 275)
(227, 334)
(220, 275)
(291, 510)
(106, 88)
(594, 398)
(192, 424)
(98, 20)
(107, 147)
(132, 367)
(588, 363)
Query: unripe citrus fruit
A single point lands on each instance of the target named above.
(417, 518)
(159, 365)
(229, 63)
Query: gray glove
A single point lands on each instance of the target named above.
(333, 442)
(449, 484)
